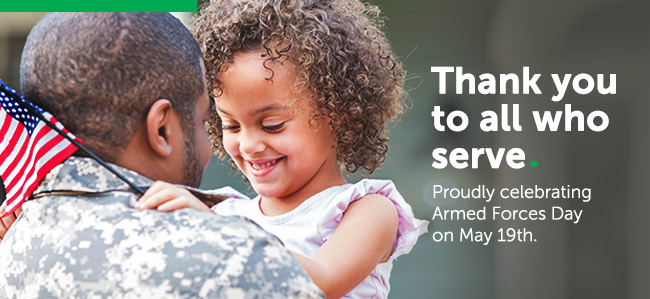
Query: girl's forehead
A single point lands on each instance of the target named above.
(262, 106)
(260, 59)
(252, 79)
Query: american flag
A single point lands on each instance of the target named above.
(29, 148)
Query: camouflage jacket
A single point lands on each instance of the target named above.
(79, 237)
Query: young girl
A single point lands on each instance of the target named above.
(303, 90)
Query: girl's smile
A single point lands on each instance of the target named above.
(263, 167)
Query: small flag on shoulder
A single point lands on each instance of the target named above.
(29, 148)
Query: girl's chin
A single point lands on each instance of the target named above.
(266, 191)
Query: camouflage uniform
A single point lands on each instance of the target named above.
(81, 238)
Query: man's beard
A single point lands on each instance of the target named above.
(193, 168)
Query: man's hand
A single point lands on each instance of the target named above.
(166, 197)
(7, 221)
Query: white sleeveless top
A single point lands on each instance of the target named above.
(305, 228)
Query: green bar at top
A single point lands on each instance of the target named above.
(85, 5)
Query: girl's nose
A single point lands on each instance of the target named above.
(251, 142)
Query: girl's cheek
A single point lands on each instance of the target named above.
(230, 145)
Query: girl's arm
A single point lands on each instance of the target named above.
(166, 197)
(363, 239)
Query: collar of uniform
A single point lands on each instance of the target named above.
(86, 175)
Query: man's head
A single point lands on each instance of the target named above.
(128, 84)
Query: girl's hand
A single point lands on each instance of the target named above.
(166, 197)
(7, 221)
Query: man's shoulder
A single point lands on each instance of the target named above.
(112, 214)
(235, 255)
(186, 230)
(205, 226)
(187, 251)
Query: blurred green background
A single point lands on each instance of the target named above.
(603, 256)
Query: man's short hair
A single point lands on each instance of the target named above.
(99, 73)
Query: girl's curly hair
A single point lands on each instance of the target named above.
(341, 55)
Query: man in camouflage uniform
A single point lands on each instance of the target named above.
(131, 86)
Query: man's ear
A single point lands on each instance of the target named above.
(159, 127)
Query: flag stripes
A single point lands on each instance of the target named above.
(29, 148)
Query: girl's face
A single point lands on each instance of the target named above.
(267, 131)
